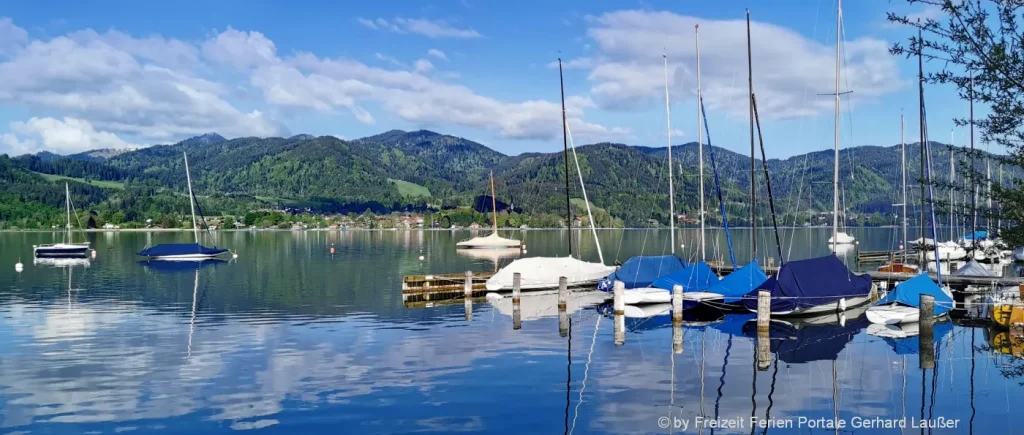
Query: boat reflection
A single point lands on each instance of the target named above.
(180, 266)
(61, 262)
(817, 338)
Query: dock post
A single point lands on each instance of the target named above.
(926, 319)
(677, 304)
(620, 313)
(517, 317)
(764, 316)
(563, 316)
(468, 290)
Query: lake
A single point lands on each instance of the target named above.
(289, 338)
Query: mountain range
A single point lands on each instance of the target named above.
(399, 170)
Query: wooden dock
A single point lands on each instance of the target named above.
(423, 288)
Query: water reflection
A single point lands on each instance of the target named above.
(291, 340)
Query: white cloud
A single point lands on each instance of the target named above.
(12, 37)
(66, 136)
(789, 70)
(389, 59)
(423, 66)
(425, 27)
(146, 88)
(437, 53)
(12, 145)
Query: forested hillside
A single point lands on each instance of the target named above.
(420, 170)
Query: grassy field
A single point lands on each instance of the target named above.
(408, 189)
(97, 183)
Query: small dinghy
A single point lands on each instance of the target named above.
(902, 304)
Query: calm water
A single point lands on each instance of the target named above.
(290, 339)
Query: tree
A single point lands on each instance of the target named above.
(980, 45)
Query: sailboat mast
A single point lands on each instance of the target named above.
(494, 204)
(924, 193)
(67, 200)
(565, 155)
(750, 101)
(671, 189)
(700, 145)
(191, 200)
(903, 164)
(974, 185)
(999, 215)
(835, 169)
(952, 179)
(988, 190)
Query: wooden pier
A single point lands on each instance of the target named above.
(424, 288)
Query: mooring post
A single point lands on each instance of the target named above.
(677, 304)
(764, 317)
(926, 320)
(468, 288)
(517, 319)
(563, 297)
(620, 313)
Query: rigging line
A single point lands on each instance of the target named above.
(771, 392)
(767, 180)
(583, 189)
(718, 187)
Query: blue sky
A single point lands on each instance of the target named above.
(123, 74)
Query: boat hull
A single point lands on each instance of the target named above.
(815, 310)
(61, 251)
(893, 315)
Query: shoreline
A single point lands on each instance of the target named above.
(479, 230)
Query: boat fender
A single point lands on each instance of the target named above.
(842, 319)
(491, 297)
(842, 304)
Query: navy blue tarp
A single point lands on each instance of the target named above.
(642, 271)
(737, 284)
(696, 278)
(909, 293)
(797, 345)
(180, 249)
(806, 283)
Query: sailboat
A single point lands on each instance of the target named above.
(68, 248)
(492, 241)
(544, 272)
(184, 251)
(824, 284)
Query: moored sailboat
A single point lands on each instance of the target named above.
(184, 251)
(68, 248)
(493, 240)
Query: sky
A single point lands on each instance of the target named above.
(76, 76)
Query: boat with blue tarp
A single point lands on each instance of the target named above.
(903, 303)
(813, 286)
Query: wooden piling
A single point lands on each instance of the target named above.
(620, 313)
(563, 297)
(677, 337)
(926, 320)
(677, 304)
(467, 288)
(1020, 289)
(517, 317)
(764, 316)
(469, 308)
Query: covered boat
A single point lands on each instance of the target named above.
(842, 239)
(543, 272)
(642, 271)
(736, 285)
(973, 268)
(490, 241)
(695, 279)
(184, 251)
(903, 303)
(813, 286)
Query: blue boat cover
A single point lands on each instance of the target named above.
(807, 343)
(696, 278)
(737, 284)
(169, 249)
(909, 293)
(642, 271)
(806, 283)
(977, 235)
(912, 345)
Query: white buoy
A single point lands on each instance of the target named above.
(234, 255)
(18, 267)
(524, 250)
(421, 258)
(901, 246)
(94, 254)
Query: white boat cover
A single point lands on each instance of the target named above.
(543, 272)
(842, 238)
(646, 295)
(972, 268)
(492, 241)
(893, 314)
(948, 251)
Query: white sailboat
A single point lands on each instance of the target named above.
(544, 272)
(68, 248)
(493, 240)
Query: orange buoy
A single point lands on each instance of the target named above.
(332, 250)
